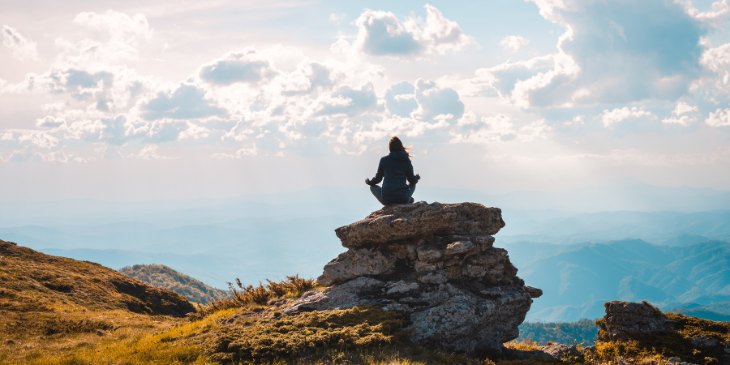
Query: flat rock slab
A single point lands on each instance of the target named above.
(407, 221)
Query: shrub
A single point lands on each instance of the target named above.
(242, 295)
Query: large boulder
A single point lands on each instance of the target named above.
(625, 320)
(437, 264)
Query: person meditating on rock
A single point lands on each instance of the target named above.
(396, 168)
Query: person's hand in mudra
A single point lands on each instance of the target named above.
(367, 181)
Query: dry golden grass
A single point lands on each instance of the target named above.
(26, 338)
(247, 295)
(171, 344)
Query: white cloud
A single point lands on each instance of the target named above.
(185, 102)
(426, 101)
(30, 137)
(349, 101)
(718, 10)
(719, 118)
(481, 130)
(23, 48)
(514, 42)
(618, 115)
(435, 101)
(381, 33)
(400, 99)
(620, 56)
(307, 77)
(484, 130)
(245, 66)
(116, 130)
(683, 114)
(49, 121)
(717, 60)
(122, 36)
(119, 26)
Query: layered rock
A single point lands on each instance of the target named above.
(677, 338)
(437, 264)
(625, 320)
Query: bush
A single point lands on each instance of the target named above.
(242, 295)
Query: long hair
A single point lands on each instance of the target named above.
(395, 145)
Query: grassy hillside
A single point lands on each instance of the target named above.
(165, 277)
(31, 281)
(48, 304)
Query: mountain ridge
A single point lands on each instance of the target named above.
(165, 277)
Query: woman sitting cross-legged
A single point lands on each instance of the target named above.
(396, 168)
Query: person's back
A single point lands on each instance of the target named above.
(395, 170)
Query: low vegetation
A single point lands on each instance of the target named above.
(242, 295)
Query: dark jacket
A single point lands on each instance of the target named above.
(396, 168)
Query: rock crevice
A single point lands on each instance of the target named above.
(437, 264)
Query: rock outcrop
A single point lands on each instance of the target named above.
(677, 338)
(437, 264)
(625, 320)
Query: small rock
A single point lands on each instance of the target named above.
(534, 292)
(704, 341)
(400, 287)
(429, 253)
(421, 266)
(474, 271)
(562, 352)
(433, 277)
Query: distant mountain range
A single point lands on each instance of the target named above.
(578, 279)
(165, 277)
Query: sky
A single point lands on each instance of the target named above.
(181, 100)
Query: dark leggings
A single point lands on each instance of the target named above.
(378, 193)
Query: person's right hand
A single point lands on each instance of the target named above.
(367, 181)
